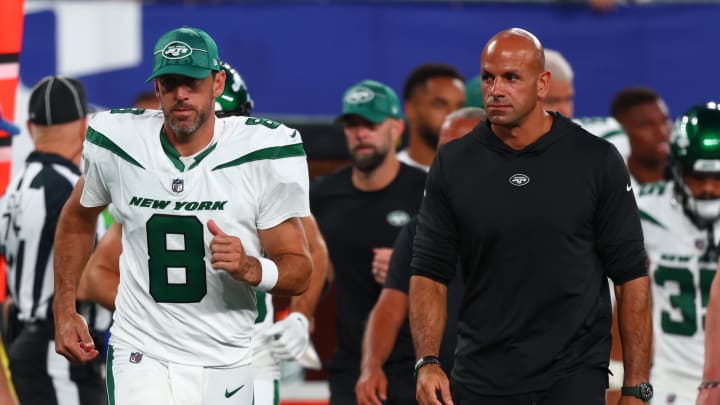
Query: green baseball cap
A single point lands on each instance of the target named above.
(185, 51)
(371, 100)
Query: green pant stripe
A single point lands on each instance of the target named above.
(276, 392)
(110, 377)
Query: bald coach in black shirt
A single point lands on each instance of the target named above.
(551, 216)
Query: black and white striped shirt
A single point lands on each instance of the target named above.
(29, 213)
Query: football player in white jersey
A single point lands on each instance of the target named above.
(272, 342)
(201, 201)
(645, 119)
(681, 225)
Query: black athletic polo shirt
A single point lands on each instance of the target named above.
(353, 223)
(538, 232)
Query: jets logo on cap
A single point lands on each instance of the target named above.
(176, 50)
(359, 95)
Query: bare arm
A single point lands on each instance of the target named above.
(712, 334)
(291, 336)
(100, 279)
(428, 315)
(74, 240)
(7, 394)
(381, 332)
(711, 371)
(381, 264)
(307, 302)
(634, 320)
(284, 244)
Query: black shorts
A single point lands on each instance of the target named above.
(585, 387)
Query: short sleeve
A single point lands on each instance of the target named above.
(398, 276)
(95, 166)
(285, 191)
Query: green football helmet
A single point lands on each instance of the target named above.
(235, 99)
(695, 151)
(473, 93)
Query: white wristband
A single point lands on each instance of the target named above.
(269, 277)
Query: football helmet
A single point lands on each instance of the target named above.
(235, 99)
(695, 151)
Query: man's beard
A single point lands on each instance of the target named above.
(368, 162)
(428, 136)
(188, 127)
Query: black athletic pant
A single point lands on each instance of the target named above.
(400, 391)
(586, 387)
(33, 362)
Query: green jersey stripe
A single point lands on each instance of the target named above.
(174, 155)
(171, 152)
(276, 152)
(104, 142)
(202, 155)
(647, 217)
(610, 134)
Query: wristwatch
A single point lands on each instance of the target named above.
(643, 391)
(424, 361)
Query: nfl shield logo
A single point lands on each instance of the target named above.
(135, 357)
(178, 185)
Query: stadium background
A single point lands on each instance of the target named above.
(298, 56)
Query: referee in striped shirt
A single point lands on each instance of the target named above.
(29, 212)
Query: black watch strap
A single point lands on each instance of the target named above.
(630, 391)
(424, 361)
(643, 391)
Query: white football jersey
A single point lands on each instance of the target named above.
(171, 303)
(609, 129)
(680, 282)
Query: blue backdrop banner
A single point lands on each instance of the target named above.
(299, 57)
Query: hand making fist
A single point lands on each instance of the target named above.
(227, 253)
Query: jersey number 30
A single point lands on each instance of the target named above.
(177, 253)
